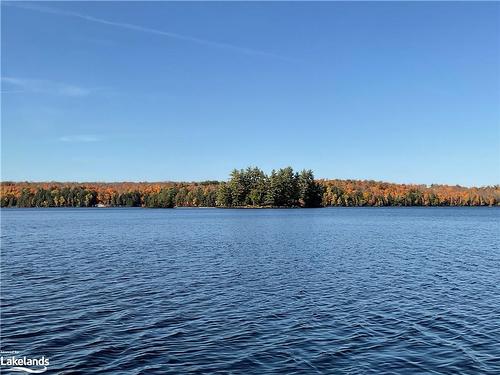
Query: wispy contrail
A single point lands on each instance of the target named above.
(43, 86)
(79, 138)
(143, 29)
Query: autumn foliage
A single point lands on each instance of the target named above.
(245, 188)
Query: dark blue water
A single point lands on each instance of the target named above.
(343, 290)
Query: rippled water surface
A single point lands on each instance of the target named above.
(347, 290)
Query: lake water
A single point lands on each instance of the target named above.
(343, 290)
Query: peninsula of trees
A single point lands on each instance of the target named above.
(249, 187)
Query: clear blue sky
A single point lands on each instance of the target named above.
(402, 92)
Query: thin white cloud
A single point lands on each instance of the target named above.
(42, 86)
(129, 26)
(79, 138)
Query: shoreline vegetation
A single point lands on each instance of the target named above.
(246, 188)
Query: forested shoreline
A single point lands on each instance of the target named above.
(249, 187)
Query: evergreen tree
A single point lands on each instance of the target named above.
(310, 192)
(224, 196)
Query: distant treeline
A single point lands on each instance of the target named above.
(249, 187)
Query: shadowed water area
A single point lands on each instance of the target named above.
(343, 290)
